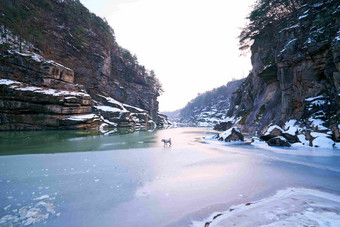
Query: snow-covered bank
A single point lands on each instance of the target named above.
(289, 207)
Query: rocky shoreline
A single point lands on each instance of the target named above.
(40, 94)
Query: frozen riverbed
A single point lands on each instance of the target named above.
(67, 179)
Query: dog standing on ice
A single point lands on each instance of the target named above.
(166, 142)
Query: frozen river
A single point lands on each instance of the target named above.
(70, 178)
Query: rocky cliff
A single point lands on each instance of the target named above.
(59, 45)
(208, 108)
(295, 75)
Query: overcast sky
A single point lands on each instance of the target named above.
(192, 45)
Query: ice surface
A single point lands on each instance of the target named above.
(132, 180)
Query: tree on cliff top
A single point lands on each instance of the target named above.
(266, 14)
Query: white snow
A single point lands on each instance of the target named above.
(30, 214)
(271, 128)
(101, 127)
(138, 109)
(288, 207)
(314, 98)
(303, 140)
(27, 88)
(83, 117)
(281, 138)
(113, 101)
(42, 197)
(319, 102)
(318, 4)
(57, 64)
(37, 57)
(290, 127)
(317, 123)
(337, 38)
(48, 91)
(227, 133)
(322, 140)
(309, 40)
(16, 43)
(288, 28)
(108, 122)
(303, 16)
(9, 82)
(108, 109)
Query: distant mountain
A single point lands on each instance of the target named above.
(173, 116)
(207, 109)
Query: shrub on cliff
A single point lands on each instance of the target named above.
(264, 17)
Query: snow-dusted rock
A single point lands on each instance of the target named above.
(225, 125)
(271, 132)
(232, 134)
(278, 141)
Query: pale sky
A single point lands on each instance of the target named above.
(192, 45)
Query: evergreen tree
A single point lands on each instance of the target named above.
(264, 17)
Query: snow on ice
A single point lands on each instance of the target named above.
(288, 207)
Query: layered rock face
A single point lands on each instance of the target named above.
(209, 108)
(295, 74)
(89, 61)
(40, 94)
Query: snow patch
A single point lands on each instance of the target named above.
(288, 28)
(303, 140)
(271, 128)
(9, 82)
(83, 117)
(108, 109)
(287, 207)
(28, 215)
(42, 197)
(310, 99)
(322, 140)
(16, 85)
(303, 16)
(101, 127)
(290, 127)
(281, 138)
(317, 123)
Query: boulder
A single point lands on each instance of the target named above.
(336, 132)
(272, 131)
(290, 137)
(232, 134)
(223, 126)
(279, 141)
